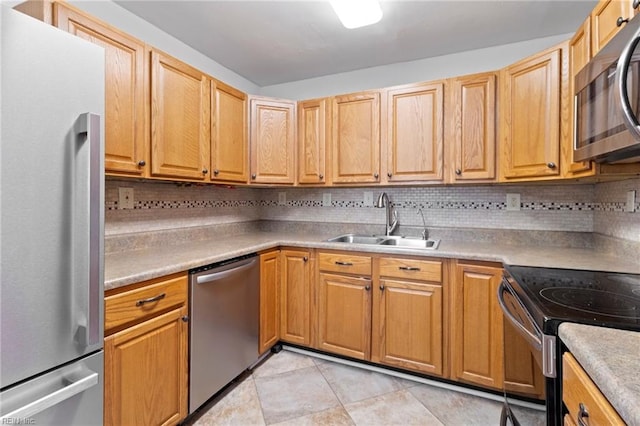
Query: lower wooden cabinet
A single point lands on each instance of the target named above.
(583, 399)
(344, 315)
(146, 363)
(269, 300)
(407, 315)
(295, 296)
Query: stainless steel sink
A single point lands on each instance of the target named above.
(386, 240)
(356, 239)
(411, 243)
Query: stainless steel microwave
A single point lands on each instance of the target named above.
(607, 101)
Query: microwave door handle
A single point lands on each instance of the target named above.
(630, 119)
(534, 340)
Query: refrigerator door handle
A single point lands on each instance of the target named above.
(54, 398)
(89, 124)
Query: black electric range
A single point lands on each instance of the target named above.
(553, 296)
(537, 300)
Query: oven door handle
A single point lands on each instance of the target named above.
(534, 340)
(629, 117)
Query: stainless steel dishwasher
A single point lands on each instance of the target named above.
(224, 305)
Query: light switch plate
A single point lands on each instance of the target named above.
(326, 199)
(513, 202)
(282, 198)
(630, 207)
(125, 198)
(368, 199)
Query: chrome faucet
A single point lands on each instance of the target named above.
(383, 201)
(425, 231)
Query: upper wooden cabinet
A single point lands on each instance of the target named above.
(229, 144)
(579, 56)
(180, 119)
(604, 21)
(125, 142)
(415, 122)
(471, 128)
(356, 138)
(533, 97)
(314, 129)
(272, 140)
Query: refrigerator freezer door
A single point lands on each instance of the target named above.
(52, 197)
(70, 395)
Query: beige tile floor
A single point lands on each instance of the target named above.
(294, 389)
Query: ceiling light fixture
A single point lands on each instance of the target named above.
(357, 13)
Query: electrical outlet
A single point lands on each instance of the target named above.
(368, 199)
(282, 198)
(513, 202)
(326, 199)
(631, 202)
(125, 198)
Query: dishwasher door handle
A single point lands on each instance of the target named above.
(216, 276)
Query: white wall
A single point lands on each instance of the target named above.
(456, 64)
(126, 21)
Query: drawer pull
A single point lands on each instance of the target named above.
(338, 262)
(408, 268)
(151, 299)
(583, 415)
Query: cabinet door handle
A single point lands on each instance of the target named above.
(185, 318)
(142, 163)
(621, 21)
(551, 165)
(216, 172)
(253, 176)
(376, 176)
(151, 299)
(408, 268)
(367, 287)
(304, 259)
(205, 171)
(320, 176)
(389, 174)
(381, 288)
(458, 172)
(338, 262)
(583, 415)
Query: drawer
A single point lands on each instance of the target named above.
(143, 302)
(412, 269)
(345, 263)
(577, 388)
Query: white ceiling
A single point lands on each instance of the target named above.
(272, 42)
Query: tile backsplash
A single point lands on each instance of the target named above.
(549, 207)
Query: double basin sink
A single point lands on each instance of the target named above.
(386, 240)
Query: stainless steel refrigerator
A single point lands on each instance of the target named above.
(51, 225)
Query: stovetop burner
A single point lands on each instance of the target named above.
(594, 301)
(552, 296)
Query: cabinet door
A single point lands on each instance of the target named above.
(313, 130)
(345, 315)
(145, 379)
(180, 119)
(604, 17)
(472, 127)
(356, 138)
(295, 297)
(269, 303)
(272, 141)
(530, 123)
(579, 55)
(409, 325)
(415, 122)
(125, 144)
(477, 329)
(229, 144)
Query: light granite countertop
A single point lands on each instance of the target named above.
(611, 358)
(127, 267)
